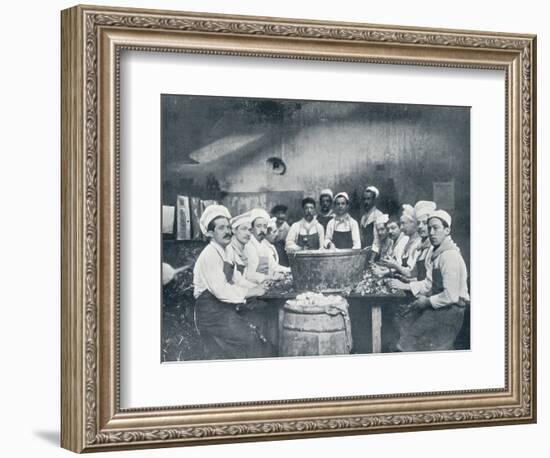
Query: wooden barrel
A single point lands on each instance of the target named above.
(310, 331)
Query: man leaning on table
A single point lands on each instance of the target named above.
(222, 301)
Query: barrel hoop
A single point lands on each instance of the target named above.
(307, 312)
(324, 331)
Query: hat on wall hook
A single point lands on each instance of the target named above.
(276, 165)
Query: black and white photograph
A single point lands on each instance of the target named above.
(313, 228)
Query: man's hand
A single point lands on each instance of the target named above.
(380, 271)
(398, 284)
(422, 303)
(278, 276)
(390, 263)
(255, 292)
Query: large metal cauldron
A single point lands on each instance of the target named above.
(327, 270)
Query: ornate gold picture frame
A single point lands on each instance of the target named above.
(93, 39)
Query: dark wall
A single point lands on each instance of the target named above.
(221, 148)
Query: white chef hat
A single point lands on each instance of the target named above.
(382, 219)
(210, 213)
(259, 213)
(327, 192)
(243, 218)
(374, 190)
(342, 194)
(424, 208)
(442, 215)
(408, 212)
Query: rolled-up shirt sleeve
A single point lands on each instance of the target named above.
(253, 262)
(210, 272)
(451, 267)
(241, 280)
(422, 287)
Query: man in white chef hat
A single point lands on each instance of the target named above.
(434, 319)
(342, 230)
(261, 262)
(367, 223)
(225, 331)
(325, 213)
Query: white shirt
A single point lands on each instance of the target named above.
(255, 250)
(370, 217)
(302, 227)
(208, 275)
(454, 275)
(344, 224)
(399, 246)
(411, 251)
(235, 256)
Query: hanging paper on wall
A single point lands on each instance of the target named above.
(168, 219)
(183, 218)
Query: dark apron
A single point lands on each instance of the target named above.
(308, 242)
(281, 251)
(421, 266)
(368, 234)
(431, 329)
(227, 333)
(342, 240)
(240, 268)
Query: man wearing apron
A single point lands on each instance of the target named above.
(343, 230)
(221, 298)
(325, 208)
(241, 228)
(399, 240)
(405, 267)
(421, 256)
(423, 209)
(308, 233)
(369, 237)
(385, 243)
(279, 212)
(434, 319)
(261, 263)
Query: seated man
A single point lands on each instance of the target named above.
(384, 247)
(398, 238)
(342, 230)
(221, 303)
(271, 237)
(261, 263)
(242, 233)
(434, 319)
(308, 233)
(279, 213)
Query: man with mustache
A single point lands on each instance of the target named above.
(369, 237)
(342, 230)
(242, 233)
(261, 263)
(225, 330)
(306, 234)
(434, 319)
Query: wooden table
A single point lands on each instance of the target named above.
(375, 301)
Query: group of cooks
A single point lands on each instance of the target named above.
(414, 250)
